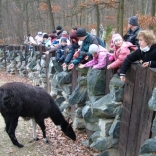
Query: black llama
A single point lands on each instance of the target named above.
(19, 99)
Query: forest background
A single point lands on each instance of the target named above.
(21, 17)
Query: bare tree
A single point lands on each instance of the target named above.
(153, 10)
(121, 17)
(51, 14)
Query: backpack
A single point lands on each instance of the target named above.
(100, 42)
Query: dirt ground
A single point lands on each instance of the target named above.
(59, 144)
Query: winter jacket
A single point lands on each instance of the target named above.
(59, 34)
(47, 43)
(71, 52)
(100, 61)
(61, 52)
(131, 36)
(39, 39)
(85, 47)
(120, 54)
(149, 56)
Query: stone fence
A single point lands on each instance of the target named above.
(92, 98)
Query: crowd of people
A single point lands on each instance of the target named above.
(88, 50)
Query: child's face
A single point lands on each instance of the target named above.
(95, 54)
(118, 42)
(63, 43)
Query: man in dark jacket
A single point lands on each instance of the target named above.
(59, 31)
(87, 39)
(133, 30)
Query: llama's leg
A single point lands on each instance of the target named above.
(34, 124)
(7, 123)
(11, 132)
(42, 126)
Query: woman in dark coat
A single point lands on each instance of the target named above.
(73, 48)
(146, 54)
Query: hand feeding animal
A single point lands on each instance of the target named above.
(19, 99)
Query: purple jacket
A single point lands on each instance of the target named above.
(99, 61)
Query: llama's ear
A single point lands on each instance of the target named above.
(7, 96)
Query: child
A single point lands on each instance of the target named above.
(121, 50)
(62, 50)
(99, 57)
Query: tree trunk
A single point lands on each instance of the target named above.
(51, 15)
(0, 19)
(97, 18)
(118, 17)
(121, 17)
(153, 8)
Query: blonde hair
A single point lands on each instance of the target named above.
(148, 36)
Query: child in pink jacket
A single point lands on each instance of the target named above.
(99, 54)
(121, 50)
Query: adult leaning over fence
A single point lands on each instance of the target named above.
(87, 39)
(146, 54)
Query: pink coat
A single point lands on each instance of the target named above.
(120, 54)
(100, 61)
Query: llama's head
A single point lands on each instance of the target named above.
(68, 130)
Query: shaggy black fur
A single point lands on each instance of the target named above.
(19, 99)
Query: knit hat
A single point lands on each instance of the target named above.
(54, 31)
(133, 21)
(63, 40)
(115, 37)
(39, 33)
(64, 34)
(93, 48)
(58, 27)
(45, 36)
(81, 32)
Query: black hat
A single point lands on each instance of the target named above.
(45, 36)
(133, 20)
(63, 40)
(59, 28)
(54, 31)
(81, 32)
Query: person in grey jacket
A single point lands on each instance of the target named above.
(133, 30)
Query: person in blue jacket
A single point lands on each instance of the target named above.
(62, 50)
(72, 49)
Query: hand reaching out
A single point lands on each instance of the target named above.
(123, 79)
(145, 64)
(71, 66)
(81, 66)
(47, 52)
(108, 67)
